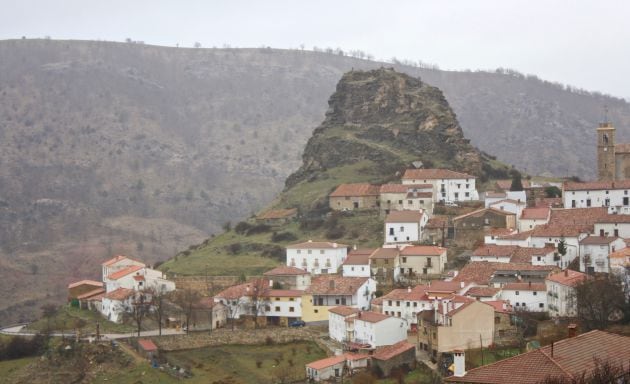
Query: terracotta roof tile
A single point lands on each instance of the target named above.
(404, 216)
(502, 306)
(385, 253)
(119, 294)
(567, 277)
(481, 211)
(355, 259)
(417, 293)
(518, 236)
(283, 293)
(571, 358)
(598, 240)
(577, 216)
(343, 310)
(480, 272)
(507, 184)
(437, 173)
(147, 345)
(482, 291)
(614, 219)
(525, 254)
(245, 289)
(92, 293)
(124, 272)
(444, 286)
(537, 213)
(437, 222)
(495, 250)
(391, 351)
(525, 287)
(335, 285)
(334, 360)
(597, 185)
(371, 317)
(86, 282)
(359, 189)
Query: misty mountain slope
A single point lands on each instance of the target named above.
(95, 133)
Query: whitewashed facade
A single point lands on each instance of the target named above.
(595, 251)
(377, 329)
(448, 186)
(403, 227)
(526, 296)
(614, 195)
(317, 258)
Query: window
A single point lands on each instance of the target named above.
(316, 311)
(267, 308)
(391, 231)
(408, 304)
(291, 309)
(415, 304)
(390, 303)
(467, 186)
(309, 252)
(402, 229)
(337, 301)
(541, 305)
(352, 268)
(516, 293)
(410, 202)
(535, 293)
(400, 202)
(467, 194)
(277, 309)
(277, 299)
(404, 259)
(497, 320)
(459, 186)
(299, 251)
(398, 303)
(321, 251)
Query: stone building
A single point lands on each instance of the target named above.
(613, 160)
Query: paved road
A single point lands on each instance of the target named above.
(17, 330)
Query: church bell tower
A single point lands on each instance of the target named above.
(606, 152)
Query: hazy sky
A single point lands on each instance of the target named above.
(582, 43)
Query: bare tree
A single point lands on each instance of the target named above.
(49, 311)
(158, 298)
(600, 300)
(140, 308)
(186, 299)
(259, 298)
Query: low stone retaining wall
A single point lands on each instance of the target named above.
(238, 336)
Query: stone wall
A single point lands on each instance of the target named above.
(238, 336)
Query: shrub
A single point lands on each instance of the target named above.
(234, 248)
(311, 223)
(335, 232)
(269, 340)
(258, 363)
(259, 228)
(283, 236)
(242, 227)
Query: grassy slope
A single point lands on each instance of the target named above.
(66, 319)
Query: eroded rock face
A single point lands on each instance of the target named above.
(390, 119)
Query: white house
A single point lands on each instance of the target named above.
(138, 278)
(406, 303)
(552, 234)
(317, 257)
(357, 263)
(509, 205)
(289, 277)
(530, 297)
(116, 303)
(532, 217)
(332, 368)
(404, 226)
(335, 290)
(595, 251)
(422, 260)
(613, 225)
(490, 198)
(561, 292)
(495, 253)
(611, 194)
(491, 235)
(521, 239)
(338, 324)
(620, 262)
(378, 329)
(118, 263)
(406, 197)
(448, 186)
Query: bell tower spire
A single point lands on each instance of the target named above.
(606, 151)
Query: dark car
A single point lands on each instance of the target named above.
(297, 323)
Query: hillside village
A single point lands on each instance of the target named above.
(389, 307)
(420, 257)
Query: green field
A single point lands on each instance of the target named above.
(66, 320)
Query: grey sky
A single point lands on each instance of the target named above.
(582, 43)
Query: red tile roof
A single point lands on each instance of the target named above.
(124, 272)
(598, 240)
(138, 278)
(391, 351)
(422, 250)
(356, 259)
(371, 317)
(570, 359)
(417, 293)
(361, 251)
(509, 201)
(507, 184)
(614, 219)
(525, 287)
(480, 272)
(482, 291)
(525, 254)
(359, 189)
(119, 294)
(284, 270)
(444, 286)
(316, 245)
(277, 214)
(334, 360)
(283, 293)
(495, 250)
(437, 222)
(92, 293)
(147, 345)
(517, 236)
(620, 254)
(385, 253)
(335, 285)
(499, 231)
(86, 282)
(537, 213)
(567, 277)
(404, 217)
(429, 174)
(577, 216)
(597, 185)
(481, 211)
(343, 310)
(118, 258)
(558, 230)
(244, 289)
(502, 306)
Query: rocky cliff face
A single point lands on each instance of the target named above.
(390, 119)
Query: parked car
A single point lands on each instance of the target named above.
(297, 323)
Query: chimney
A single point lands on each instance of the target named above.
(354, 247)
(459, 361)
(331, 284)
(409, 289)
(310, 240)
(572, 330)
(247, 288)
(552, 349)
(566, 272)
(270, 283)
(529, 284)
(461, 284)
(334, 245)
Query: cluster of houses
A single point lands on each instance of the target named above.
(124, 283)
